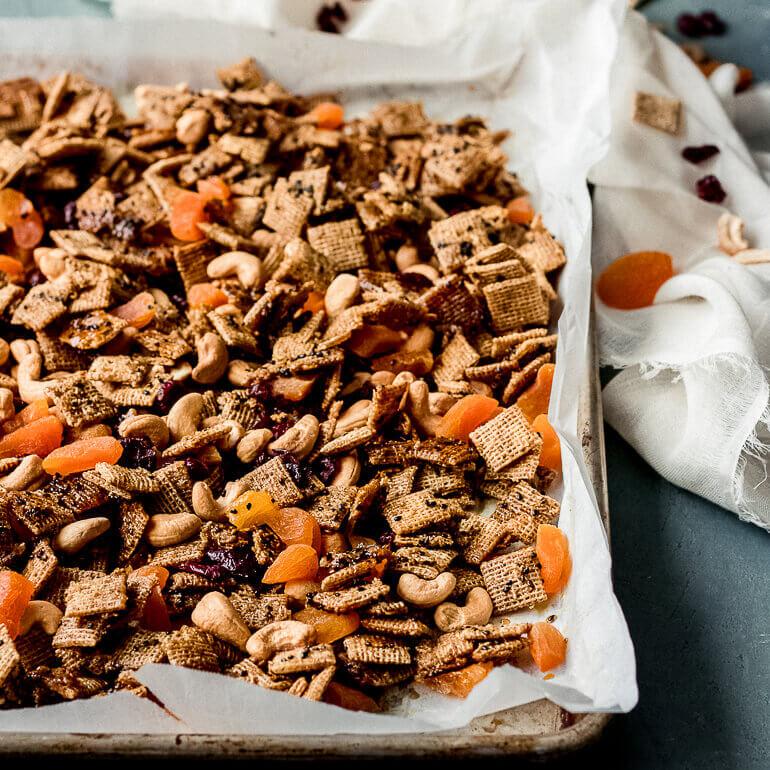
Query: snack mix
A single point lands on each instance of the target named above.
(260, 368)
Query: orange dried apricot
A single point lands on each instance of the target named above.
(13, 205)
(327, 115)
(213, 188)
(12, 267)
(458, 684)
(329, 626)
(297, 562)
(333, 542)
(547, 646)
(82, 455)
(206, 295)
(520, 211)
(138, 312)
(155, 616)
(161, 573)
(188, 210)
(374, 339)
(40, 438)
(251, 510)
(314, 302)
(552, 548)
(349, 698)
(535, 399)
(466, 415)
(36, 410)
(550, 454)
(293, 525)
(15, 593)
(296, 388)
(633, 280)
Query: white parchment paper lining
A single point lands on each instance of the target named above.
(538, 68)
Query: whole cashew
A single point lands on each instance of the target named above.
(185, 416)
(230, 441)
(44, 614)
(406, 256)
(165, 529)
(215, 613)
(753, 256)
(5, 352)
(300, 439)
(6, 404)
(26, 475)
(730, 234)
(72, 538)
(27, 353)
(440, 403)
(382, 378)
(51, 262)
(192, 125)
(348, 471)
(209, 508)
(149, 426)
(252, 444)
(245, 266)
(425, 593)
(428, 271)
(418, 406)
(341, 294)
(278, 636)
(353, 417)
(212, 359)
(476, 612)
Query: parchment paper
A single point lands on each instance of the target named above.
(538, 68)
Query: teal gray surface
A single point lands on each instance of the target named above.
(693, 581)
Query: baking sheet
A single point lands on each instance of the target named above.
(540, 68)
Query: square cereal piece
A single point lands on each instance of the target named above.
(190, 648)
(38, 513)
(60, 357)
(400, 118)
(233, 331)
(9, 657)
(453, 304)
(386, 401)
(273, 478)
(312, 182)
(97, 596)
(197, 440)
(376, 650)
(302, 659)
(41, 565)
(250, 672)
(79, 632)
(175, 495)
(43, 304)
(341, 243)
(515, 303)
(542, 251)
(347, 441)
(175, 555)
(455, 358)
(318, 684)
(521, 378)
(12, 161)
(80, 403)
(140, 648)
(170, 346)
(524, 498)
(127, 370)
(419, 510)
(513, 581)
(287, 211)
(657, 111)
(128, 479)
(258, 611)
(504, 439)
(348, 599)
(406, 628)
(332, 507)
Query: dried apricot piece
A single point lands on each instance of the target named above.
(296, 388)
(293, 525)
(40, 438)
(314, 302)
(329, 626)
(12, 267)
(36, 410)
(552, 548)
(550, 453)
(349, 698)
(206, 295)
(466, 415)
(374, 339)
(137, 312)
(213, 188)
(547, 646)
(535, 399)
(13, 205)
(252, 509)
(633, 280)
(82, 455)
(15, 593)
(519, 210)
(161, 573)
(333, 542)
(458, 684)
(29, 231)
(188, 210)
(327, 115)
(297, 562)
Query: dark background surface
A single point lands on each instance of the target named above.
(694, 582)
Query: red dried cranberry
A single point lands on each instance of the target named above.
(70, 215)
(325, 468)
(713, 24)
(710, 189)
(690, 25)
(700, 153)
(299, 471)
(168, 393)
(280, 428)
(138, 452)
(239, 562)
(209, 571)
(197, 469)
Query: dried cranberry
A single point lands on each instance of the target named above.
(710, 189)
(168, 393)
(299, 471)
(209, 571)
(713, 24)
(690, 25)
(178, 300)
(700, 153)
(138, 452)
(280, 428)
(325, 468)
(70, 215)
(197, 469)
(239, 562)
(125, 229)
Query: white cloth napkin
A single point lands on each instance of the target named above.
(692, 398)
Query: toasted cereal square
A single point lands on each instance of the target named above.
(60, 357)
(79, 632)
(513, 581)
(657, 111)
(302, 659)
(43, 304)
(515, 303)
(191, 648)
(175, 495)
(273, 478)
(80, 403)
(451, 301)
(349, 599)
(9, 657)
(341, 243)
(407, 628)
(455, 358)
(542, 251)
(140, 648)
(287, 211)
(41, 565)
(97, 596)
(318, 684)
(504, 439)
(376, 650)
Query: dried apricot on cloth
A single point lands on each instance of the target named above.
(535, 399)
(458, 684)
(552, 548)
(295, 563)
(466, 415)
(633, 280)
(40, 438)
(329, 626)
(547, 646)
(550, 454)
(82, 455)
(15, 593)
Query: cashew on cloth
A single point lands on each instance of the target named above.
(693, 397)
